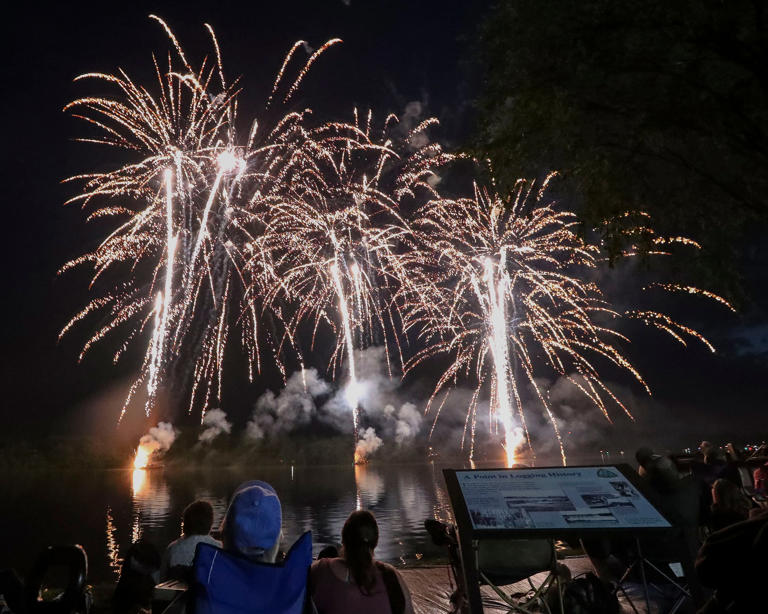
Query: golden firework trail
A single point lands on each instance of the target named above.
(187, 203)
(505, 289)
(326, 251)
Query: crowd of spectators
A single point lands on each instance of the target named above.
(716, 498)
(348, 580)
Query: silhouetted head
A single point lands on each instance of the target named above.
(359, 537)
(727, 496)
(198, 518)
(643, 455)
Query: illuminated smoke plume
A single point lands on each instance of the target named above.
(294, 406)
(407, 421)
(307, 397)
(367, 444)
(215, 423)
(155, 443)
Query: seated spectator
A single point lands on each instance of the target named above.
(732, 561)
(355, 582)
(729, 505)
(252, 525)
(252, 528)
(178, 556)
(133, 593)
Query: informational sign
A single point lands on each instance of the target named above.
(599, 497)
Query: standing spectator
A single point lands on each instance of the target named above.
(711, 454)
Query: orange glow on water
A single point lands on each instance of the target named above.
(143, 454)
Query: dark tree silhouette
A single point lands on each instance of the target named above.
(659, 105)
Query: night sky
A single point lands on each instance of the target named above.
(393, 53)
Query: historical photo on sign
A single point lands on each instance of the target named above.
(624, 489)
(550, 503)
(603, 500)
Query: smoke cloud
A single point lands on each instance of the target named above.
(160, 438)
(368, 443)
(215, 423)
(293, 407)
(156, 442)
(405, 422)
(307, 398)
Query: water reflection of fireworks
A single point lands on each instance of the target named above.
(113, 548)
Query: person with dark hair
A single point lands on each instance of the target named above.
(179, 555)
(729, 505)
(133, 593)
(355, 582)
(659, 470)
(251, 529)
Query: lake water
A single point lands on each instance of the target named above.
(105, 511)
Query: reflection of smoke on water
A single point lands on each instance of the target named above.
(414, 504)
(151, 501)
(369, 485)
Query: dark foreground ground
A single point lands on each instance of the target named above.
(431, 588)
(432, 585)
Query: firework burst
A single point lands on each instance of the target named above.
(327, 249)
(304, 225)
(187, 203)
(503, 289)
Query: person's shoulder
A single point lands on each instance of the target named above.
(176, 543)
(386, 568)
(209, 539)
(323, 563)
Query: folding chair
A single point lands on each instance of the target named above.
(57, 582)
(502, 562)
(227, 583)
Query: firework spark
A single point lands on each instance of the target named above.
(503, 288)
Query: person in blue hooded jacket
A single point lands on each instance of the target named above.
(252, 526)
